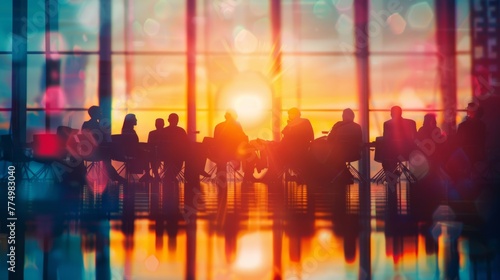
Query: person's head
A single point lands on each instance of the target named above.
(231, 115)
(129, 122)
(173, 119)
(95, 112)
(348, 115)
(430, 120)
(396, 112)
(159, 123)
(474, 110)
(293, 113)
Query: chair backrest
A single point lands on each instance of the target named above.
(320, 149)
(351, 151)
(123, 146)
(379, 149)
(392, 150)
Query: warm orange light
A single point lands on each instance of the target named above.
(250, 95)
(250, 108)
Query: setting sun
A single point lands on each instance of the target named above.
(249, 107)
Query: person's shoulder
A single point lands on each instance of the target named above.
(357, 125)
(304, 121)
(221, 124)
(409, 121)
(335, 125)
(238, 125)
(388, 124)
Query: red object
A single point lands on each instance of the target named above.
(47, 146)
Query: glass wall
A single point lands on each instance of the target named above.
(234, 62)
(5, 66)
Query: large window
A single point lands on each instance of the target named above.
(234, 62)
(5, 66)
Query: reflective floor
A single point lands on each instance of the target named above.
(235, 230)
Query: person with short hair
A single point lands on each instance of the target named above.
(399, 139)
(101, 138)
(154, 141)
(471, 134)
(297, 136)
(229, 140)
(175, 146)
(346, 142)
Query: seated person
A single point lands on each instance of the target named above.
(101, 137)
(139, 160)
(154, 141)
(297, 135)
(128, 127)
(293, 149)
(471, 134)
(174, 146)
(229, 139)
(399, 137)
(346, 140)
(430, 132)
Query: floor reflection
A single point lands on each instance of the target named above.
(234, 230)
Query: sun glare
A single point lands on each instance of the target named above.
(249, 107)
(250, 95)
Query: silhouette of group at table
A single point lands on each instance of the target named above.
(168, 155)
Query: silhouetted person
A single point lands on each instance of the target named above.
(154, 136)
(95, 127)
(429, 127)
(131, 141)
(293, 149)
(175, 145)
(431, 132)
(399, 137)
(101, 137)
(154, 141)
(471, 134)
(229, 138)
(297, 136)
(346, 140)
(128, 127)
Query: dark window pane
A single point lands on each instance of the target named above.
(5, 81)
(5, 122)
(35, 124)
(6, 26)
(35, 23)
